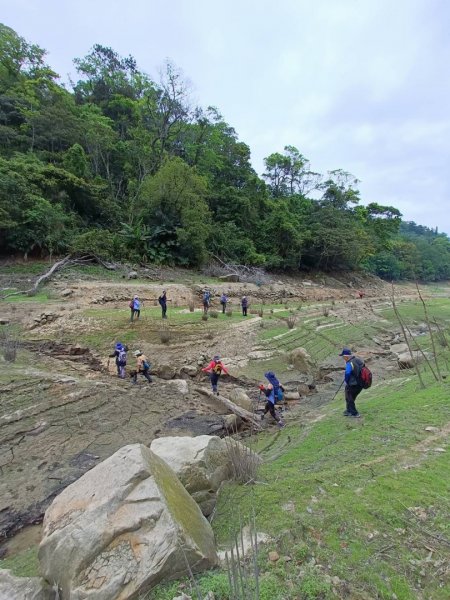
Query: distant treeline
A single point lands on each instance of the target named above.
(126, 167)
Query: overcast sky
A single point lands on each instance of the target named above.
(361, 85)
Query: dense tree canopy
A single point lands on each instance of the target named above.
(128, 168)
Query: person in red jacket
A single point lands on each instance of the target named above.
(215, 370)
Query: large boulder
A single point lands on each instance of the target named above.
(123, 527)
(239, 397)
(24, 588)
(406, 361)
(301, 360)
(202, 463)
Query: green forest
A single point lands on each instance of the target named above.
(127, 168)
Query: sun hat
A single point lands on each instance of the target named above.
(137, 353)
(346, 352)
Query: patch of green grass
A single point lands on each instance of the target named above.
(25, 268)
(24, 564)
(351, 483)
(39, 298)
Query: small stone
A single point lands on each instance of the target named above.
(432, 429)
(439, 449)
(274, 556)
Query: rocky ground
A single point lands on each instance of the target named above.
(63, 410)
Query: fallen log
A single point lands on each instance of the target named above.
(245, 415)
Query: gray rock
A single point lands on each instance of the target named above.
(24, 588)
(132, 275)
(239, 397)
(202, 463)
(301, 360)
(66, 293)
(399, 348)
(119, 529)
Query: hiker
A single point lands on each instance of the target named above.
(278, 389)
(269, 392)
(244, 304)
(353, 385)
(223, 302)
(135, 306)
(142, 367)
(163, 303)
(206, 300)
(120, 354)
(215, 370)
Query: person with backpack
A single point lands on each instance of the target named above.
(278, 389)
(206, 300)
(223, 302)
(163, 304)
(244, 304)
(357, 377)
(135, 306)
(269, 392)
(142, 367)
(120, 354)
(215, 370)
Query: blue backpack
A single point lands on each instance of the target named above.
(278, 392)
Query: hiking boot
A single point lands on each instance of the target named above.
(281, 424)
(346, 413)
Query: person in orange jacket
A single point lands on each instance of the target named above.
(215, 370)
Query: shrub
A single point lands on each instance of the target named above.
(291, 320)
(204, 317)
(191, 305)
(164, 335)
(261, 312)
(213, 314)
(326, 311)
(8, 345)
(229, 312)
(244, 462)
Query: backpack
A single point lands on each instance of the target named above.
(365, 377)
(145, 365)
(217, 368)
(131, 305)
(122, 357)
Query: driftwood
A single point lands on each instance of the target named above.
(57, 266)
(245, 415)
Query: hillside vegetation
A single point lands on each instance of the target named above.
(126, 167)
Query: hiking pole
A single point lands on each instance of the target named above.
(337, 391)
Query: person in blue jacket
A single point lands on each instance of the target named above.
(353, 365)
(270, 404)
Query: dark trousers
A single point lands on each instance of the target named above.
(224, 306)
(205, 307)
(214, 381)
(270, 408)
(164, 311)
(145, 373)
(244, 311)
(135, 312)
(351, 393)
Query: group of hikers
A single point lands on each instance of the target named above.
(223, 302)
(142, 363)
(135, 304)
(356, 378)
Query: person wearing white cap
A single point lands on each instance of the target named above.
(142, 367)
